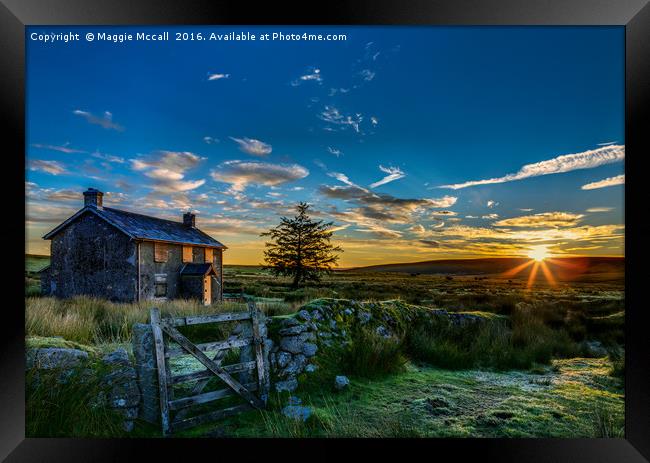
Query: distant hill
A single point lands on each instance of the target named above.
(562, 268)
(34, 262)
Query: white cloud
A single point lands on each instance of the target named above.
(50, 167)
(490, 216)
(599, 209)
(210, 140)
(253, 146)
(611, 181)
(105, 121)
(565, 163)
(394, 173)
(218, 76)
(374, 121)
(313, 75)
(167, 170)
(242, 173)
(491, 203)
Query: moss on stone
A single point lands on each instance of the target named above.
(41, 342)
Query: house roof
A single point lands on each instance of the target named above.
(197, 269)
(144, 227)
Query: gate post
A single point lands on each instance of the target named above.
(147, 373)
(246, 353)
(162, 370)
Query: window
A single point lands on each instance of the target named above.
(208, 255)
(160, 285)
(160, 290)
(160, 252)
(187, 254)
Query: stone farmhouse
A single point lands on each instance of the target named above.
(128, 257)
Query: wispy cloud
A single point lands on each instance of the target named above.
(367, 74)
(344, 179)
(167, 169)
(491, 203)
(544, 219)
(253, 146)
(379, 231)
(50, 167)
(334, 91)
(336, 152)
(312, 75)
(65, 148)
(565, 163)
(210, 140)
(242, 173)
(599, 209)
(108, 157)
(394, 173)
(218, 76)
(105, 120)
(611, 181)
(333, 116)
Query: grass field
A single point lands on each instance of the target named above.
(435, 391)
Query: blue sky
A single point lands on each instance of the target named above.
(383, 133)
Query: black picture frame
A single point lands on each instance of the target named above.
(634, 15)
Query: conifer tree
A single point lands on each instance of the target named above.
(300, 247)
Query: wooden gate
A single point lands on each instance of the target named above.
(165, 331)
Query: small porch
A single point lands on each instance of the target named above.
(200, 281)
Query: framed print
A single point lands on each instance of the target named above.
(382, 226)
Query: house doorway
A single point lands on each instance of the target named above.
(207, 290)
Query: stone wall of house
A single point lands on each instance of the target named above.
(91, 257)
(167, 273)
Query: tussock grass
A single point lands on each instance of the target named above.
(96, 321)
(370, 355)
(67, 409)
(332, 418)
(606, 424)
(526, 342)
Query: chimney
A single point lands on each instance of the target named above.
(189, 219)
(93, 198)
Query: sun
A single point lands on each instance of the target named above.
(538, 253)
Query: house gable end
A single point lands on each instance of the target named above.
(78, 215)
